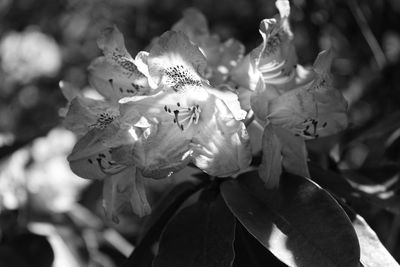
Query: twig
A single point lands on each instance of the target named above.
(368, 35)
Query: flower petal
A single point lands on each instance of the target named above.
(116, 75)
(231, 100)
(313, 110)
(122, 189)
(174, 62)
(160, 107)
(246, 78)
(68, 90)
(91, 159)
(115, 81)
(294, 152)
(255, 130)
(270, 168)
(246, 74)
(260, 99)
(221, 146)
(276, 57)
(112, 43)
(194, 25)
(163, 147)
(142, 65)
(85, 114)
(284, 8)
(162, 151)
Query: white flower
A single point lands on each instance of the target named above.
(221, 57)
(186, 120)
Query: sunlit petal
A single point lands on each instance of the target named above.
(246, 74)
(114, 82)
(163, 148)
(276, 57)
(230, 98)
(116, 75)
(221, 147)
(174, 62)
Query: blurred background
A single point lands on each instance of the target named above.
(58, 217)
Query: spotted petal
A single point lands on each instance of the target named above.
(314, 110)
(91, 158)
(84, 114)
(175, 63)
(116, 75)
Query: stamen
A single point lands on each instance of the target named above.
(309, 128)
(183, 116)
(106, 164)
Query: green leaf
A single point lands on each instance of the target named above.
(200, 235)
(300, 223)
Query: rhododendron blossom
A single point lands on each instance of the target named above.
(185, 120)
(216, 144)
(159, 113)
(186, 101)
(293, 102)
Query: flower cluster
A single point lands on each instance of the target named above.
(186, 101)
(291, 103)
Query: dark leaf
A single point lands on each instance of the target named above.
(200, 235)
(373, 253)
(143, 254)
(250, 253)
(164, 204)
(300, 223)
